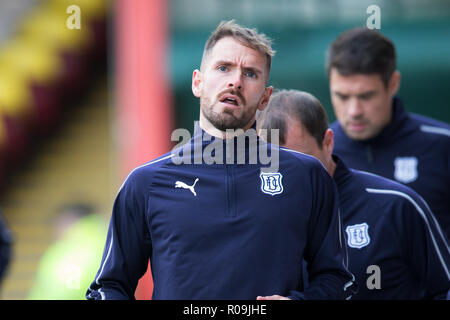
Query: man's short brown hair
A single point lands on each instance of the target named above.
(248, 37)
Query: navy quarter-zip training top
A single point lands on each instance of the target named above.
(413, 150)
(226, 231)
(390, 226)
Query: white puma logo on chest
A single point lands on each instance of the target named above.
(180, 184)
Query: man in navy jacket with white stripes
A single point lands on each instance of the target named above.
(232, 228)
(374, 133)
(396, 248)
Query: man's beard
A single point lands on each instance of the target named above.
(226, 119)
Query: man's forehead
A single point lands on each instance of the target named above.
(232, 50)
(355, 82)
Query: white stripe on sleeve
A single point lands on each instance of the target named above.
(422, 214)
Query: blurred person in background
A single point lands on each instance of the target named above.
(5, 248)
(373, 131)
(388, 226)
(69, 264)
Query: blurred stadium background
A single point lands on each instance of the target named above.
(79, 108)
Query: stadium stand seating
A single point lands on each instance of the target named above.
(44, 65)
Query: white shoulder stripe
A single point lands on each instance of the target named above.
(422, 214)
(103, 266)
(294, 151)
(437, 130)
(438, 227)
(145, 165)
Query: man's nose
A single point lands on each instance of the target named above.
(235, 81)
(355, 109)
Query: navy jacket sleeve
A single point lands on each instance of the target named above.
(128, 247)
(325, 252)
(426, 250)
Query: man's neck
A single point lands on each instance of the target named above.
(228, 134)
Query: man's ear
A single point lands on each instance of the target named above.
(197, 83)
(265, 99)
(394, 83)
(328, 141)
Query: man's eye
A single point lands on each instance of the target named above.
(222, 68)
(366, 96)
(250, 74)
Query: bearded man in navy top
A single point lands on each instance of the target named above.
(229, 229)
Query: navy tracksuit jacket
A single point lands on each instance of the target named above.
(412, 149)
(222, 234)
(390, 226)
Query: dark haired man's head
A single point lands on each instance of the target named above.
(361, 66)
(362, 51)
(302, 123)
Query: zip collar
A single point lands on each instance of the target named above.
(342, 172)
(243, 149)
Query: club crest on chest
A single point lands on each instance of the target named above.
(271, 183)
(406, 169)
(358, 235)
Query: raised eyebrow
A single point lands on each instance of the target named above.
(223, 63)
(229, 63)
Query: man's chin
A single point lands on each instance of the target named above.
(227, 121)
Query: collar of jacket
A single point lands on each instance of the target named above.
(342, 172)
(242, 149)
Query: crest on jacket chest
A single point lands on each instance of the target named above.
(358, 235)
(271, 183)
(406, 169)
